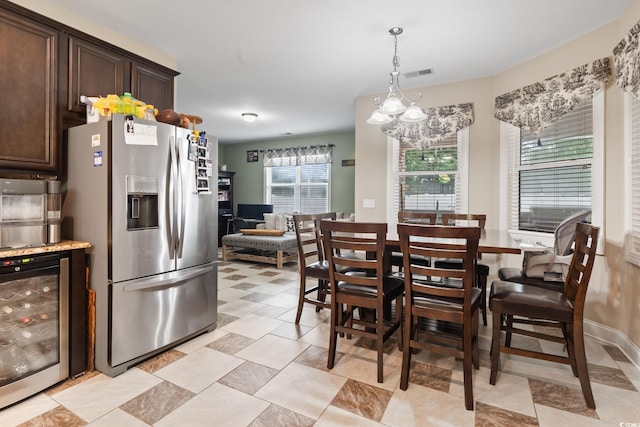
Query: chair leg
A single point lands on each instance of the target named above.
(303, 288)
(568, 339)
(581, 364)
(509, 322)
(474, 341)
(467, 365)
(380, 344)
(322, 293)
(333, 336)
(406, 347)
(495, 345)
(398, 321)
(482, 284)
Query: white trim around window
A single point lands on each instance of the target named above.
(509, 142)
(462, 176)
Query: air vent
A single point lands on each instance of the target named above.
(419, 73)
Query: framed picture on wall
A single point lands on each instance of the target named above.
(252, 155)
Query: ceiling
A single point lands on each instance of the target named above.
(300, 64)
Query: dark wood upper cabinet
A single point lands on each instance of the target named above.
(152, 85)
(93, 71)
(45, 67)
(101, 69)
(28, 84)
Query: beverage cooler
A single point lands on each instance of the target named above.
(34, 324)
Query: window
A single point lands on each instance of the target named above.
(432, 180)
(557, 173)
(632, 244)
(302, 188)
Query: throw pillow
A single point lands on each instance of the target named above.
(270, 221)
(290, 225)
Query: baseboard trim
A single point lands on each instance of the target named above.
(614, 337)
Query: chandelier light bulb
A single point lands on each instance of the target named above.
(378, 118)
(392, 106)
(413, 114)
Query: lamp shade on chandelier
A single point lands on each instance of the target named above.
(395, 104)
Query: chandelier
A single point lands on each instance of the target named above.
(393, 106)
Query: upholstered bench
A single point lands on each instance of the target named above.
(269, 249)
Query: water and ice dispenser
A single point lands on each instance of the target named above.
(142, 202)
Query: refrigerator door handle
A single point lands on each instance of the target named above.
(166, 280)
(182, 204)
(171, 199)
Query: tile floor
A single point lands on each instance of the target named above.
(259, 369)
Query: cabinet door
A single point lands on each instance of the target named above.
(93, 71)
(152, 85)
(28, 76)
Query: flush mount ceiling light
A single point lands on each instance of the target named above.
(249, 117)
(393, 106)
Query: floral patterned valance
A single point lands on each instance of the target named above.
(441, 122)
(627, 61)
(297, 156)
(540, 104)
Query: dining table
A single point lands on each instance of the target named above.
(492, 241)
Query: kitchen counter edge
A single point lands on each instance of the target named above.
(65, 245)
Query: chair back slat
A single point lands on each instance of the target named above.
(343, 239)
(309, 238)
(581, 266)
(416, 239)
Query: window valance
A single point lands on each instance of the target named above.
(540, 104)
(627, 61)
(441, 122)
(298, 156)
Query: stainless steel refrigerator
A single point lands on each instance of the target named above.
(138, 191)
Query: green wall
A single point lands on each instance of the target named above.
(248, 183)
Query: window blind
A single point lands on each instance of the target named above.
(632, 251)
(303, 188)
(554, 175)
(428, 180)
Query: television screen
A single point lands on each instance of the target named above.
(253, 211)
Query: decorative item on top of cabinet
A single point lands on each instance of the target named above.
(28, 118)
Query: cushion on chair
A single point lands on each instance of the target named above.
(530, 301)
(320, 270)
(454, 264)
(398, 260)
(431, 301)
(516, 275)
(393, 287)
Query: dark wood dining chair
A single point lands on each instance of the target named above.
(359, 283)
(441, 305)
(482, 270)
(516, 303)
(311, 262)
(412, 217)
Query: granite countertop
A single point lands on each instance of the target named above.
(65, 245)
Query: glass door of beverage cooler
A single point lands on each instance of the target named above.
(34, 343)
